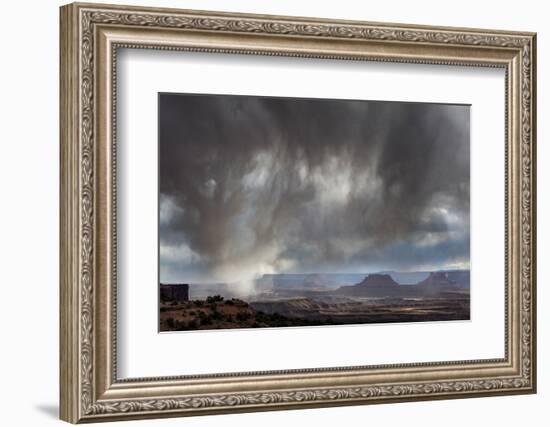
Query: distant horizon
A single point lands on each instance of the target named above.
(289, 273)
(388, 272)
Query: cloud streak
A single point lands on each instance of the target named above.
(255, 185)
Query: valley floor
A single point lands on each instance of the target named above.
(218, 313)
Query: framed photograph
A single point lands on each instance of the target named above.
(265, 212)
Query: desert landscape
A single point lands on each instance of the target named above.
(287, 211)
(318, 299)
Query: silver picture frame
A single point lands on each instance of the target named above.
(90, 37)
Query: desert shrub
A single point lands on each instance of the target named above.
(261, 316)
(193, 324)
(243, 316)
(229, 318)
(229, 302)
(181, 325)
(273, 319)
(216, 315)
(213, 299)
(198, 303)
(205, 318)
(170, 322)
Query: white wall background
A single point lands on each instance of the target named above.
(29, 170)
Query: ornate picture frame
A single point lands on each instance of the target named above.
(90, 37)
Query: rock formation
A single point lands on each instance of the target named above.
(375, 285)
(436, 283)
(174, 292)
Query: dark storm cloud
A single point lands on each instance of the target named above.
(252, 185)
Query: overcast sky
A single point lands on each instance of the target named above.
(255, 185)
